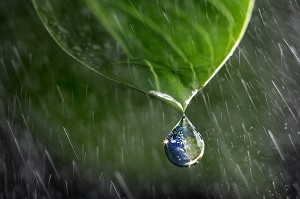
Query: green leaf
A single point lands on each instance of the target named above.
(168, 49)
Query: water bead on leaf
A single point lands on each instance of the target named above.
(167, 49)
(184, 145)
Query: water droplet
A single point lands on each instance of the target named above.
(184, 146)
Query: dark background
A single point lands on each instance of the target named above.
(66, 132)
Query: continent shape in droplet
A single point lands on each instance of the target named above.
(184, 145)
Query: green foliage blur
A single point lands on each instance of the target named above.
(85, 136)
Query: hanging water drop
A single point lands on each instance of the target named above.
(184, 146)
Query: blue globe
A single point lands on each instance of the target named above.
(184, 146)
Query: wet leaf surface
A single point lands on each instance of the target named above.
(174, 47)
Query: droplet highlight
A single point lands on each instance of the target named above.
(184, 146)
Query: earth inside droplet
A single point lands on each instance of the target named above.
(184, 146)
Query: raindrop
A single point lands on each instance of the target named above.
(184, 146)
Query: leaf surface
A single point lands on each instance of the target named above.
(169, 48)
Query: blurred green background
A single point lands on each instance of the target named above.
(67, 132)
